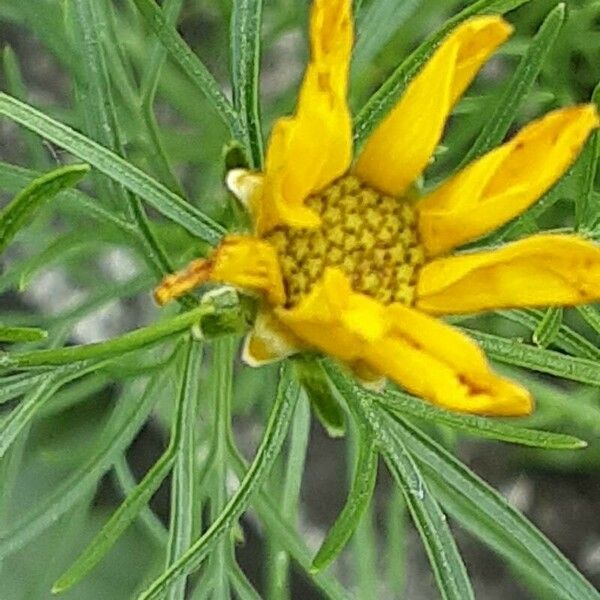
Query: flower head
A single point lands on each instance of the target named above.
(348, 260)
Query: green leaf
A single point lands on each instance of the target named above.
(267, 452)
(382, 101)
(278, 527)
(448, 567)
(397, 540)
(14, 178)
(117, 168)
(504, 6)
(499, 121)
(515, 353)
(585, 214)
(140, 495)
(92, 91)
(322, 399)
(224, 351)
(113, 347)
(22, 334)
(488, 515)
(132, 410)
(25, 412)
(95, 101)
(246, 16)
(183, 506)
(401, 403)
(375, 26)
(591, 315)
(18, 213)
(16, 87)
(191, 65)
(566, 338)
(150, 79)
(127, 482)
(361, 492)
(13, 386)
(278, 571)
(547, 330)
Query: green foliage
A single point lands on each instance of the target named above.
(145, 108)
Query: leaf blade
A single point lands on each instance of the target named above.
(265, 456)
(41, 190)
(501, 524)
(246, 16)
(521, 83)
(154, 193)
(447, 565)
(378, 105)
(191, 65)
(361, 491)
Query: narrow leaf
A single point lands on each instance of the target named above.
(183, 507)
(489, 516)
(448, 567)
(117, 168)
(380, 103)
(18, 213)
(591, 315)
(25, 412)
(267, 452)
(14, 178)
(375, 26)
(521, 83)
(281, 529)
(129, 415)
(585, 214)
(16, 86)
(95, 101)
(22, 334)
(114, 347)
(547, 330)
(516, 353)
(566, 338)
(12, 386)
(361, 492)
(135, 501)
(246, 18)
(191, 65)
(401, 403)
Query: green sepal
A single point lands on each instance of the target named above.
(322, 399)
(234, 156)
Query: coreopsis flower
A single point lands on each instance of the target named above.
(347, 260)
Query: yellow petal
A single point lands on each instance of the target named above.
(433, 379)
(400, 148)
(505, 182)
(543, 270)
(311, 149)
(435, 361)
(249, 263)
(426, 357)
(335, 319)
(268, 341)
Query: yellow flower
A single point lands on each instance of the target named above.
(348, 261)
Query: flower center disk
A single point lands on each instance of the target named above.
(371, 237)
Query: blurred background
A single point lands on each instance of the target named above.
(84, 283)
